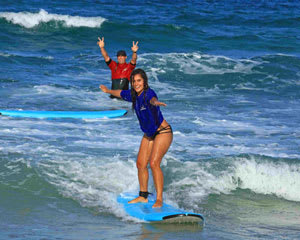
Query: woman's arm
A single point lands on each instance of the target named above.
(116, 93)
(155, 102)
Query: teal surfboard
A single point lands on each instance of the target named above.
(165, 214)
(64, 114)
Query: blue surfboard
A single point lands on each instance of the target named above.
(165, 214)
(64, 114)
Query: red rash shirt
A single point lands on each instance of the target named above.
(120, 70)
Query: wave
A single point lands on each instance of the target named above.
(18, 174)
(95, 182)
(199, 63)
(196, 63)
(260, 175)
(22, 55)
(268, 177)
(220, 72)
(61, 97)
(91, 183)
(30, 20)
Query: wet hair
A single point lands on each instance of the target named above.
(146, 86)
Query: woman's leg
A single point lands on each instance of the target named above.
(161, 145)
(141, 163)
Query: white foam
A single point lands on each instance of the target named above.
(219, 144)
(6, 54)
(78, 98)
(196, 180)
(281, 179)
(30, 20)
(94, 182)
(196, 63)
(192, 181)
(235, 125)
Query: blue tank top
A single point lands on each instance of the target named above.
(149, 116)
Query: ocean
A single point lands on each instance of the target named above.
(229, 72)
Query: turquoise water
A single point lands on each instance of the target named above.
(229, 73)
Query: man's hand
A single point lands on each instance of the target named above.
(134, 47)
(101, 42)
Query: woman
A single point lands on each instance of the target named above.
(157, 137)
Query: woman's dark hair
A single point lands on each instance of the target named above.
(146, 86)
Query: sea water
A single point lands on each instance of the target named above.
(229, 72)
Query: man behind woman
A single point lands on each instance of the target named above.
(120, 70)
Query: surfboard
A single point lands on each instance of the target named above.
(165, 214)
(64, 114)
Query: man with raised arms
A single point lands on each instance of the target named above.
(120, 71)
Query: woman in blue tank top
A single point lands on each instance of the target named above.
(157, 137)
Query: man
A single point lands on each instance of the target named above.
(120, 71)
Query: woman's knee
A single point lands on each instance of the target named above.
(141, 165)
(154, 165)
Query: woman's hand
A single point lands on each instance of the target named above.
(103, 88)
(155, 102)
(116, 93)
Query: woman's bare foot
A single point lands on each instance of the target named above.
(139, 199)
(157, 204)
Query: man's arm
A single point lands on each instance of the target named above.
(103, 51)
(134, 50)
